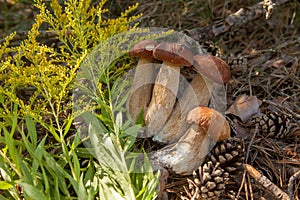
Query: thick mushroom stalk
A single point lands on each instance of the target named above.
(207, 127)
(197, 93)
(166, 85)
(144, 77)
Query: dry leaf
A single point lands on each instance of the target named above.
(244, 107)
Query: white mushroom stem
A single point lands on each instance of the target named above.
(217, 71)
(141, 88)
(163, 97)
(197, 93)
(207, 127)
(186, 155)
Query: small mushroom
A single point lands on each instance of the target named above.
(198, 93)
(144, 77)
(207, 126)
(166, 85)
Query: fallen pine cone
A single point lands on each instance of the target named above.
(273, 125)
(208, 182)
(229, 153)
(221, 168)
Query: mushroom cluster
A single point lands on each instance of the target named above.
(183, 122)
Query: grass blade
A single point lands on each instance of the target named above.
(31, 130)
(12, 150)
(32, 192)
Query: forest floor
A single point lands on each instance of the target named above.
(264, 58)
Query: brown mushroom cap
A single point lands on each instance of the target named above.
(213, 122)
(174, 53)
(212, 67)
(143, 49)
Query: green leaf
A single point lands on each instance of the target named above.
(59, 171)
(4, 185)
(38, 155)
(140, 118)
(31, 130)
(76, 165)
(12, 149)
(67, 127)
(6, 173)
(119, 106)
(3, 198)
(82, 194)
(15, 120)
(107, 190)
(32, 192)
(76, 141)
(27, 176)
(56, 194)
(29, 147)
(52, 130)
(46, 181)
(90, 173)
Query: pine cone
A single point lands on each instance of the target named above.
(229, 153)
(222, 164)
(208, 182)
(273, 125)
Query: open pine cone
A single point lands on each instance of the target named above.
(221, 168)
(208, 182)
(273, 125)
(229, 153)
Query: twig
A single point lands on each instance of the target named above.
(242, 16)
(282, 108)
(250, 187)
(241, 187)
(291, 184)
(246, 188)
(266, 183)
(250, 143)
(246, 160)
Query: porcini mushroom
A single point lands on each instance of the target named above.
(144, 77)
(212, 67)
(198, 93)
(166, 85)
(213, 122)
(183, 157)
